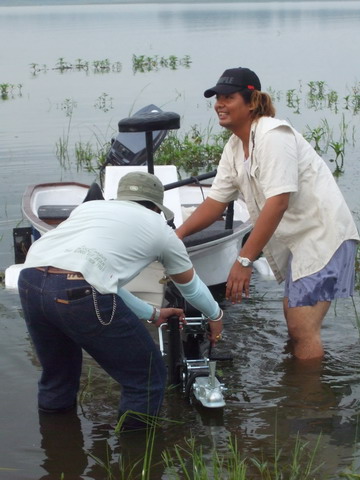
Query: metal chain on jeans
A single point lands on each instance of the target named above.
(97, 311)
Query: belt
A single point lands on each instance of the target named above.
(59, 271)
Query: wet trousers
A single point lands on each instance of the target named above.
(65, 316)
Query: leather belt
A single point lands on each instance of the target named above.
(59, 271)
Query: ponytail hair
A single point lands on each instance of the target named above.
(260, 103)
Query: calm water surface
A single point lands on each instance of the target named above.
(271, 398)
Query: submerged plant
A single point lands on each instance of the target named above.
(194, 152)
(63, 144)
(104, 102)
(317, 135)
(63, 65)
(339, 150)
(190, 462)
(4, 90)
(90, 157)
(293, 100)
(102, 65)
(7, 90)
(81, 64)
(144, 63)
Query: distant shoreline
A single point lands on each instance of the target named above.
(49, 3)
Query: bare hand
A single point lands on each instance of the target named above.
(165, 313)
(215, 331)
(238, 283)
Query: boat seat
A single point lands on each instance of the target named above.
(94, 193)
(54, 214)
(213, 232)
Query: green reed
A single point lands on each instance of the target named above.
(104, 102)
(196, 151)
(145, 63)
(200, 150)
(62, 153)
(80, 64)
(188, 460)
(9, 90)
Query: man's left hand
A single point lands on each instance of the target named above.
(165, 313)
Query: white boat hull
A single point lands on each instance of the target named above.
(212, 260)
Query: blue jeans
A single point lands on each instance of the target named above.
(62, 318)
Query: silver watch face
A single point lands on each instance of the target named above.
(245, 262)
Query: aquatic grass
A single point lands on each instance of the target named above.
(191, 463)
(86, 154)
(90, 157)
(318, 97)
(106, 464)
(321, 136)
(193, 152)
(293, 100)
(145, 63)
(104, 102)
(86, 389)
(62, 65)
(7, 90)
(79, 65)
(68, 105)
(4, 90)
(353, 99)
(200, 150)
(339, 150)
(332, 100)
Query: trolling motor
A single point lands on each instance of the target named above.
(131, 146)
(196, 377)
(188, 353)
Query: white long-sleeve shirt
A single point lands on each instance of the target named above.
(317, 220)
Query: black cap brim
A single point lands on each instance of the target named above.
(222, 90)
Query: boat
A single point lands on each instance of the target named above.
(212, 250)
(43, 205)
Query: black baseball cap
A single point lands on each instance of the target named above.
(234, 80)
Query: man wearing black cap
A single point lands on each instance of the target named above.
(72, 296)
(300, 219)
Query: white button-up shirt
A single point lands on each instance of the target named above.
(317, 220)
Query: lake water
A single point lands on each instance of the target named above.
(271, 398)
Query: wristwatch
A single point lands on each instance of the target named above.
(245, 262)
(155, 316)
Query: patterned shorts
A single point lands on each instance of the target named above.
(335, 280)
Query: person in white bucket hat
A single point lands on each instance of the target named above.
(72, 297)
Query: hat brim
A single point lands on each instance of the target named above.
(222, 90)
(169, 215)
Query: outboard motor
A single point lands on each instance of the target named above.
(129, 148)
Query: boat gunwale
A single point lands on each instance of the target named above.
(28, 194)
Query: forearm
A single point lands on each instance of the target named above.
(205, 214)
(265, 226)
(141, 309)
(199, 296)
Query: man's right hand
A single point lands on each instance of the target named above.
(215, 331)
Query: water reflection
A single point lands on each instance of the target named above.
(254, 15)
(63, 444)
(271, 398)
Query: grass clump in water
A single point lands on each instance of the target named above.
(193, 153)
(189, 462)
